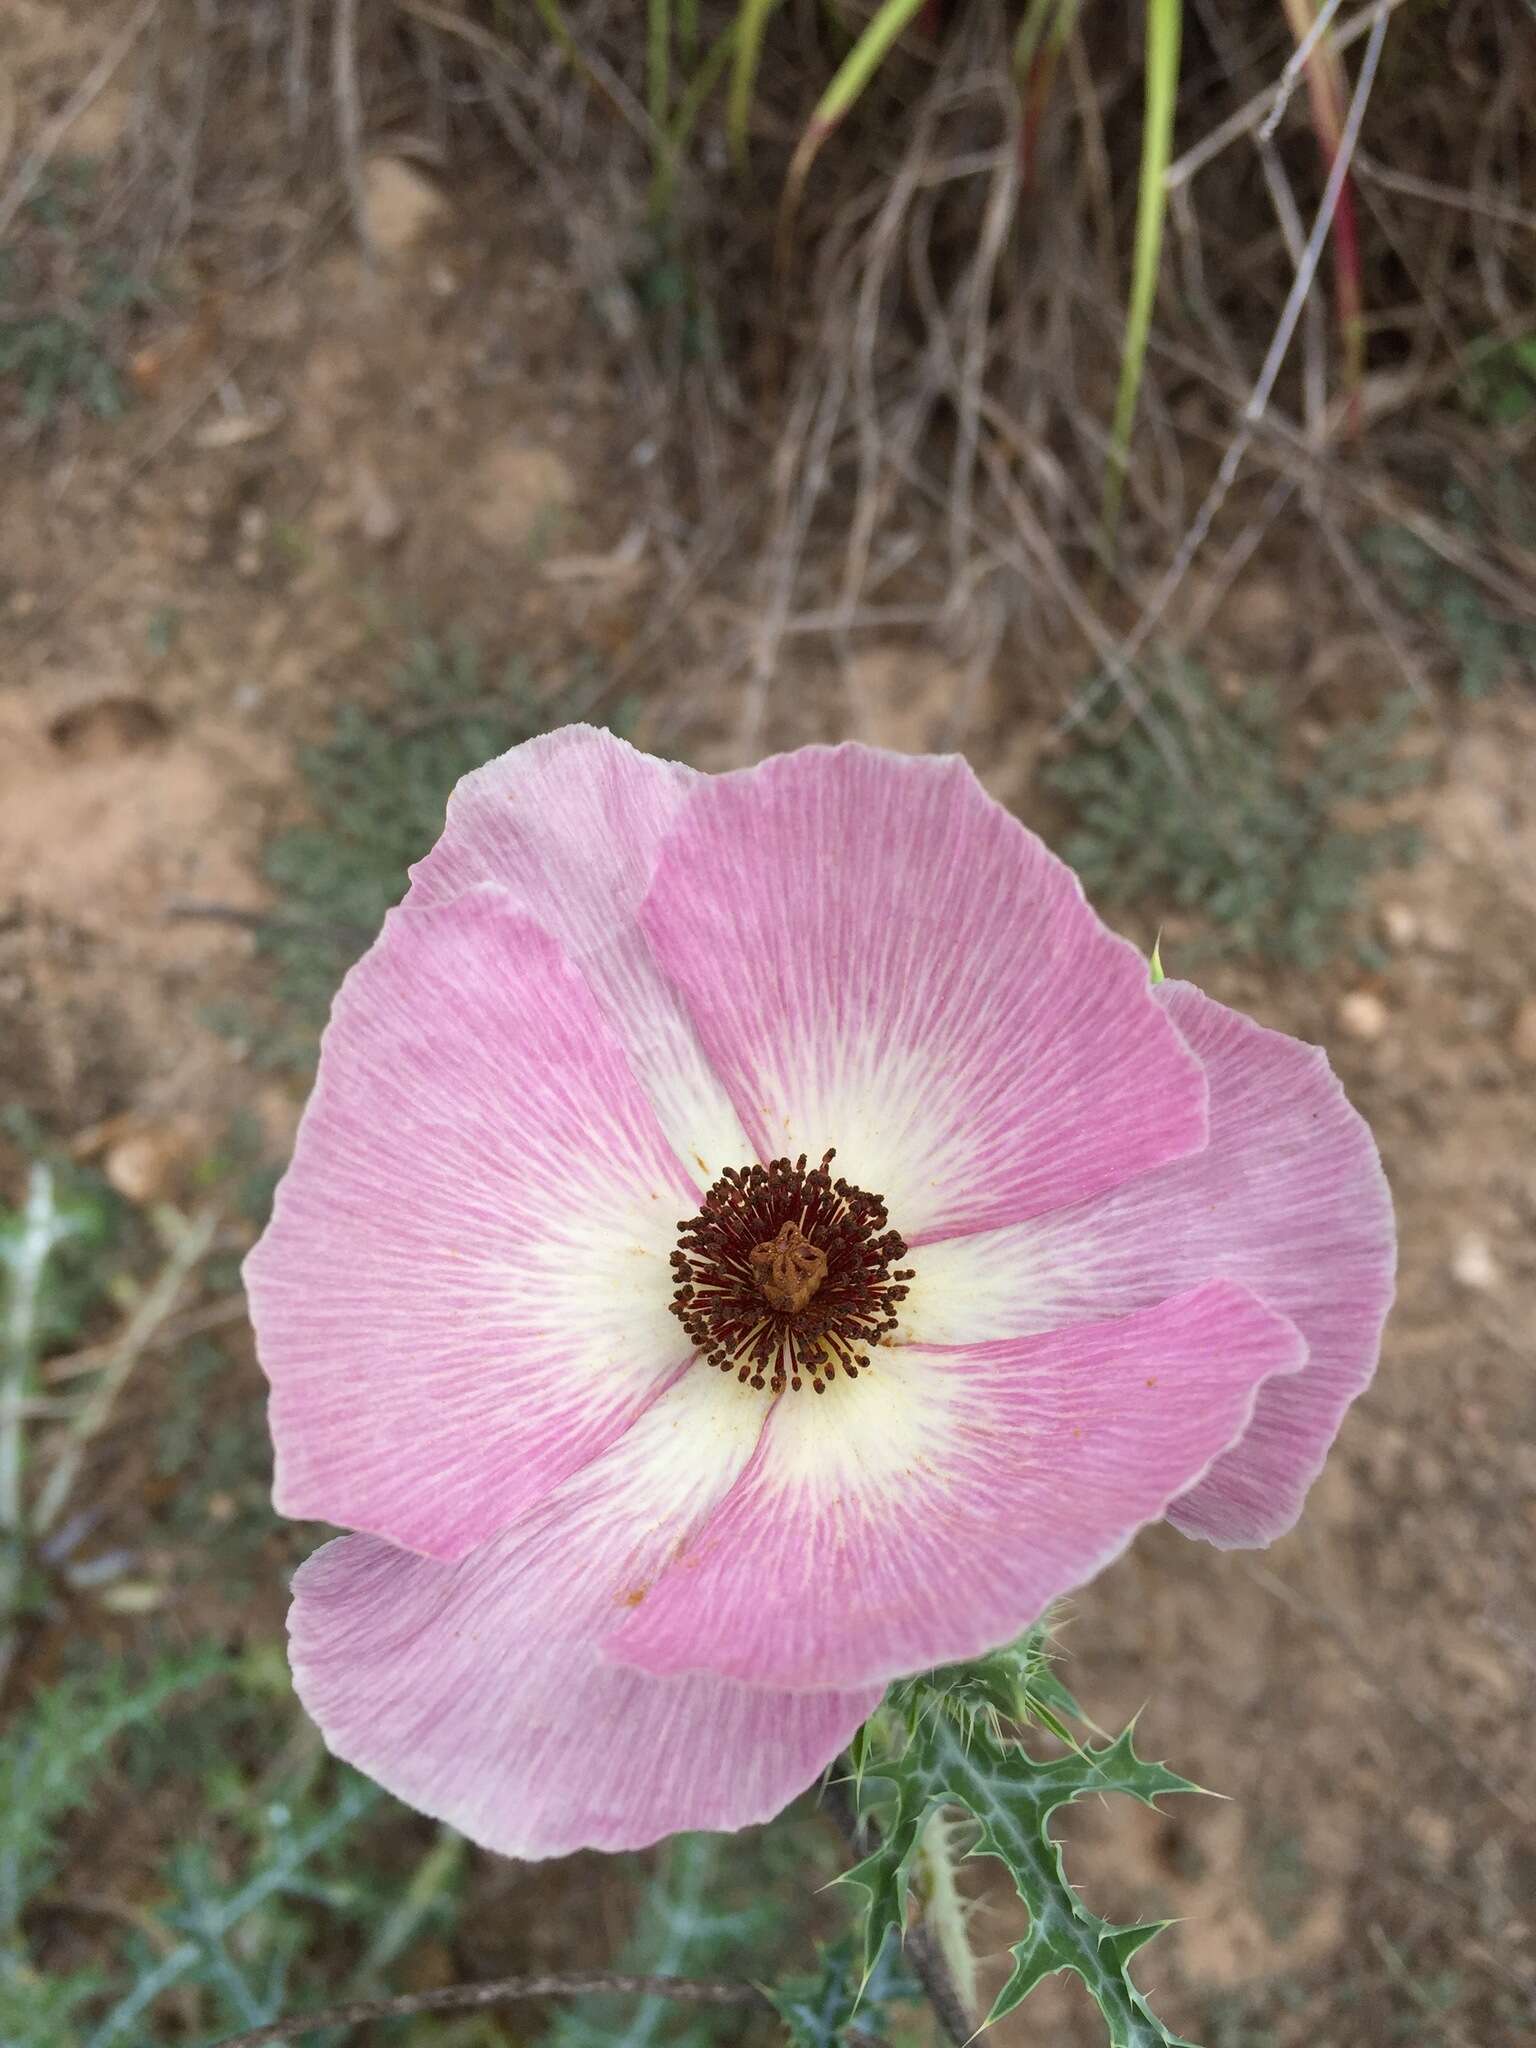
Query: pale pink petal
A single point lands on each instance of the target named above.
(1288, 1198)
(935, 1506)
(463, 1292)
(569, 825)
(476, 1691)
(877, 957)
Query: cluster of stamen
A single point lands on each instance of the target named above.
(785, 1275)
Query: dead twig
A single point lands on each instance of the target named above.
(349, 117)
(1256, 110)
(503, 1991)
(197, 1322)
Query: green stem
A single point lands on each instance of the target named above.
(670, 150)
(1165, 22)
(658, 61)
(751, 22)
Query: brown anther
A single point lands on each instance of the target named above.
(788, 1269)
(786, 1274)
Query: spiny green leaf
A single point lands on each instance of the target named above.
(1015, 1683)
(947, 1759)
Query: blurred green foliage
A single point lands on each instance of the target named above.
(1253, 838)
(818, 2010)
(1487, 647)
(64, 303)
(292, 1883)
(700, 1915)
(1499, 385)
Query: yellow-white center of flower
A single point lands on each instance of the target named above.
(785, 1276)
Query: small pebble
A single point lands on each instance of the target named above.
(1472, 1263)
(1363, 1015)
(379, 518)
(1400, 925)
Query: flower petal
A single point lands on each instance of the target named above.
(1288, 1198)
(463, 1292)
(935, 1506)
(877, 957)
(568, 825)
(476, 1691)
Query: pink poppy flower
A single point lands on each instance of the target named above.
(753, 1236)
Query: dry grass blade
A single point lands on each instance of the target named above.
(348, 98)
(90, 89)
(1258, 400)
(504, 1991)
(192, 1239)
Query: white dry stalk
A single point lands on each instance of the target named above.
(1296, 64)
(40, 1232)
(946, 1909)
(1252, 112)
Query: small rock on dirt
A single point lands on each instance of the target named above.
(1363, 1015)
(399, 204)
(150, 1164)
(378, 514)
(1262, 615)
(1400, 925)
(1473, 1265)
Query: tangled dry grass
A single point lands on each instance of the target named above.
(890, 406)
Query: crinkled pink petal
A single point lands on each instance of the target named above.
(1293, 1190)
(877, 957)
(1288, 1198)
(476, 1691)
(935, 1506)
(462, 1294)
(569, 825)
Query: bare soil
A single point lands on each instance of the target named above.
(187, 595)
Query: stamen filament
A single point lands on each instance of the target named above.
(785, 1275)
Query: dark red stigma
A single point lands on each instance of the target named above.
(785, 1275)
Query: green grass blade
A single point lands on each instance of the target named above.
(1165, 21)
(1046, 24)
(848, 83)
(751, 21)
(689, 106)
(863, 61)
(658, 61)
(552, 14)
